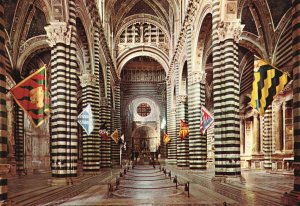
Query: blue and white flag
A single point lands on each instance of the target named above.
(85, 119)
(206, 120)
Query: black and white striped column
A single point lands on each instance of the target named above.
(296, 91)
(197, 141)
(19, 138)
(115, 148)
(182, 145)
(171, 125)
(91, 143)
(293, 198)
(4, 167)
(267, 138)
(182, 153)
(64, 139)
(169, 114)
(105, 148)
(226, 94)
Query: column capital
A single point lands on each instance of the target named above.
(230, 30)
(198, 77)
(104, 102)
(58, 32)
(88, 79)
(181, 98)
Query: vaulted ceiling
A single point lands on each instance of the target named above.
(118, 10)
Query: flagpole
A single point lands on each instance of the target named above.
(121, 155)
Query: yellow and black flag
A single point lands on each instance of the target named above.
(268, 82)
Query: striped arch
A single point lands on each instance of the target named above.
(128, 21)
(34, 45)
(156, 54)
(88, 45)
(198, 24)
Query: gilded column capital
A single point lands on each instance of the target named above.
(104, 102)
(230, 30)
(58, 32)
(198, 77)
(88, 79)
(181, 98)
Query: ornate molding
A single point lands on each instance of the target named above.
(230, 30)
(188, 21)
(198, 76)
(181, 98)
(88, 79)
(58, 32)
(104, 102)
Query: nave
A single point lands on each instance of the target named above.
(146, 185)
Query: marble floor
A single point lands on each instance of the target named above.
(145, 185)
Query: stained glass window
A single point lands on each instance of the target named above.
(144, 109)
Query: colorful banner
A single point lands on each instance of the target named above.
(115, 136)
(268, 82)
(85, 119)
(166, 138)
(184, 130)
(206, 120)
(32, 96)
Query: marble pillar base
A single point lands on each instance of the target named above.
(229, 179)
(291, 199)
(61, 181)
(91, 172)
(171, 161)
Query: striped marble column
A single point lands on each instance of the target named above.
(171, 124)
(106, 105)
(226, 94)
(64, 148)
(267, 138)
(197, 141)
(19, 138)
(182, 145)
(4, 167)
(169, 115)
(91, 143)
(296, 92)
(115, 148)
(293, 198)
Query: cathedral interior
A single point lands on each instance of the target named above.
(143, 66)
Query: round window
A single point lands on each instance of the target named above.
(144, 109)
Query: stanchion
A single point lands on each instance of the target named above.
(175, 181)
(187, 188)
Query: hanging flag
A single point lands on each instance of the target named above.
(32, 95)
(85, 119)
(268, 82)
(206, 120)
(115, 136)
(103, 132)
(166, 138)
(184, 130)
(122, 139)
